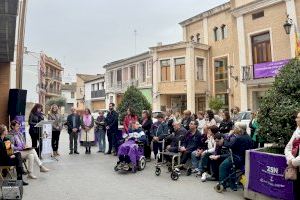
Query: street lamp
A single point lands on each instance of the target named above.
(288, 25)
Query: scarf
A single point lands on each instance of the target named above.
(296, 144)
(87, 120)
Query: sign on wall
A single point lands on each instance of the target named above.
(268, 69)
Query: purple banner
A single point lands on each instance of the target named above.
(268, 69)
(266, 176)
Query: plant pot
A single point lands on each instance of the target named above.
(265, 175)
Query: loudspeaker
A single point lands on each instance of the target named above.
(16, 102)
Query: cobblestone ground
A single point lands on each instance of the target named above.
(88, 177)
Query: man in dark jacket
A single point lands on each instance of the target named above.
(239, 146)
(174, 139)
(191, 142)
(73, 123)
(111, 122)
(158, 132)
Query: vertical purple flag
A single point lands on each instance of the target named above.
(266, 175)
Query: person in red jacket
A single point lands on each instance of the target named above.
(129, 118)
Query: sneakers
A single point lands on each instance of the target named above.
(31, 176)
(44, 169)
(205, 176)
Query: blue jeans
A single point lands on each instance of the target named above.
(196, 161)
(101, 139)
(225, 170)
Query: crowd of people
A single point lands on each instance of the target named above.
(203, 138)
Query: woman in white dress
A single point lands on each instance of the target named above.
(87, 130)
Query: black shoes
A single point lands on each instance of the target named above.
(108, 153)
(76, 152)
(24, 183)
(71, 152)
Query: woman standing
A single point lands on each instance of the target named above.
(8, 158)
(292, 154)
(56, 128)
(146, 126)
(36, 115)
(19, 145)
(210, 119)
(129, 118)
(226, 124)
(100, 131)
(254, 126)
(87, 130)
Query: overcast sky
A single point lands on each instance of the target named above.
(86, 34)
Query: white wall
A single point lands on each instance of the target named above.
(88, 88)
(67, 94)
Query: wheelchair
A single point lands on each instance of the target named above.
(237, 175)
(173, 166)
(126, 165)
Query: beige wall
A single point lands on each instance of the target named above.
(238, 3)
(273, 20)
(4, 88)
(193, 29)
(171, 53)
(297, 5)
(96, 105)
(176, 87)
(79, 95)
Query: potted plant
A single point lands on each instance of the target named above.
(265, 167)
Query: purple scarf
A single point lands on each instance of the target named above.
(87, 120)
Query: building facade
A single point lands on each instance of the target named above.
(222, 54)
(94, 90)
(80, 89)
(121, 74)
(68, 91)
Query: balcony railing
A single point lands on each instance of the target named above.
(98, 94)
(53, 91)
(52, 76)
(121, 86)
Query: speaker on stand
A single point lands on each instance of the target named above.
(17, 104)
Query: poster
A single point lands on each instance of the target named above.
(266, 175)
(46, 138)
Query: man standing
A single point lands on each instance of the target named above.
(73, 123)
(111, 122)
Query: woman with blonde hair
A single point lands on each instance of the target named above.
(56, 128)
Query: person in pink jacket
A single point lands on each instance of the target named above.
(129, 118)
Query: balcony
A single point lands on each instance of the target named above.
(53, 92)
(121, 86)
(54, 77)
(250, 78)
(98, 94)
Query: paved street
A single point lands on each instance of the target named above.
(87, 177)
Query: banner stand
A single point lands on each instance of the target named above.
(45, 135)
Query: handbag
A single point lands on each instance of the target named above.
(9, 148)
(290, 173)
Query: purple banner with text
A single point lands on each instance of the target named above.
(267, 175)
(268, 69)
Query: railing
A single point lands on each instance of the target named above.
(98, 94)
(248, 73)
(52, 76)
(122, 86)
(53, 91)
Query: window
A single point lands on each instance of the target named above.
(125, 74)
(165, 70)
(261, 48)
(132, 72)
(221, 80)
(199, 72)
(97, 87)
(142, 72)
(192, 38)
(224, 31)
(258, 15)
(102, 86)
(111, 76)
(198, 38)
(180, 69)
(216, 34)
(93, 87)
(119, 76)
(72, 95)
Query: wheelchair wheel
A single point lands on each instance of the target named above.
(219, 188)
(116, 168)
(157, 171)
(142, 164)
(174, 176)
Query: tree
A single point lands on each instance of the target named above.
(134, 99)
(280, 105)
(60, 102)
(216, 104)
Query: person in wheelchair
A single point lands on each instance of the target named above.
(129, 152)
(239, 146)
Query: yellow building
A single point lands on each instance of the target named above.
(220, 55)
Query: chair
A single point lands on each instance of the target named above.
(8, 168)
